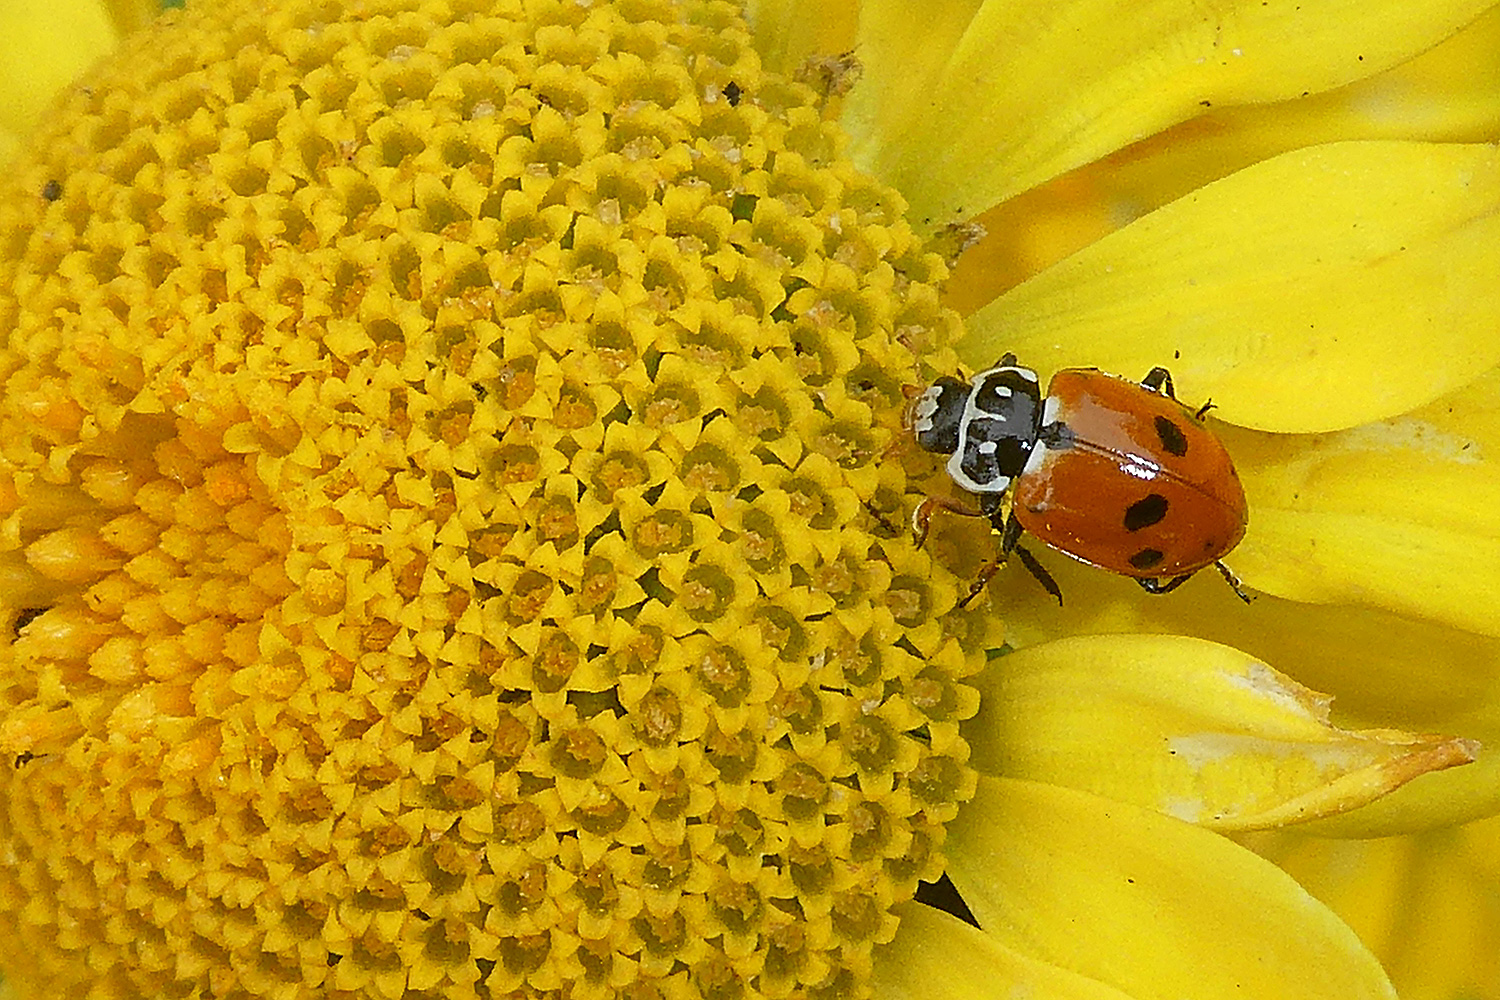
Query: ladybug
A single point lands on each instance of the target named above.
(1115, 473)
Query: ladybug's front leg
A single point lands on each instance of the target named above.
(921, 518)
(1010, 537)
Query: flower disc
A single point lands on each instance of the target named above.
(438, 453)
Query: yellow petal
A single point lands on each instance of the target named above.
(1450, 93)
(1384, 670)
(975, 102)
(1444, 800)
(938, 957)
(1146, 904)
(901, 63)
(1324, 288)
(1433, 802)
(1402, 514)
(1189, 728)
(46, 45)
(789, 32)
(1426, 905)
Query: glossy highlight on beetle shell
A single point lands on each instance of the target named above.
(1129, 480)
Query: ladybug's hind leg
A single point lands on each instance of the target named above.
(1160, 380)
(1232, 580)
(1153, 586)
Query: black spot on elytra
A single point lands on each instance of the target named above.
(1145, 512)
(1172, 438)
(1147, 558)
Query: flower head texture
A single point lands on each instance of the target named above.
(456, 499)
(440, 460)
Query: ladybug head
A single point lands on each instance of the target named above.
(934, 416)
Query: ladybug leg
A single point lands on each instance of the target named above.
(1160, 380)
(1039, 573)
(1009, 535)
(1010, 541)
(1007, 360)
(909, 394)
(921, 518)
(1152, 585)
(990, 569)
(1232, 580)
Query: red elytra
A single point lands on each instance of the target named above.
(1139, 487)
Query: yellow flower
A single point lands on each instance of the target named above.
(397, 395)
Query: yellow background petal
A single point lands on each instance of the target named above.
(1384, 670)
(938, 957)
(1402, 514)
(1450, 93)
(1428, 906)
(1324, 288)
(1193, 729)
(1151, 906)
(788, 32)
(962, 112)
(45, 45)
